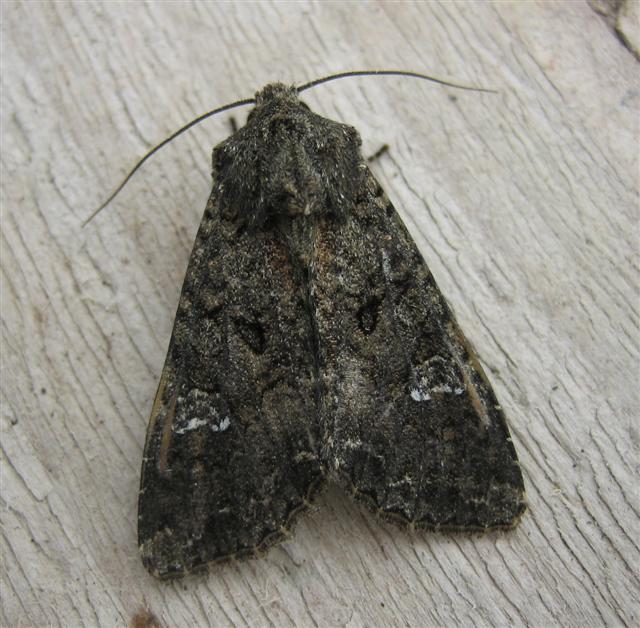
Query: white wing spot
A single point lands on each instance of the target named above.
(222, 426)
(418, 394)
(386, 265)
(193, 424)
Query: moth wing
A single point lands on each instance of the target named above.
(410, 423)
(230, 454)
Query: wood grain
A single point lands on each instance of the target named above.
(525, 205)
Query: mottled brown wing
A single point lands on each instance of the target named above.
(230, 454)
(410, 423)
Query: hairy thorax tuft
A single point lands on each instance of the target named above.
(287, 160)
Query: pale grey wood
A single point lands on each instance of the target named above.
(525, 205)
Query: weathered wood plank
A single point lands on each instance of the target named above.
(525, 205)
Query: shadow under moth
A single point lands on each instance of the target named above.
(311, 343)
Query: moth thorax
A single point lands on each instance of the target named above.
(290, 202)
(287, 161)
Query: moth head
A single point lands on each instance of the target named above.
(287, 161)
(276, 93)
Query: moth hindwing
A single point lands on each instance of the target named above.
(312, 343)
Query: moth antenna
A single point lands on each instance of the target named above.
(250, 101)
(426, 77)
(186, 127)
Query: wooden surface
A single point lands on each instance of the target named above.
(525, 205)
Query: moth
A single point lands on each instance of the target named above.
(312, 344)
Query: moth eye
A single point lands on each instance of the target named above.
(368, 315)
